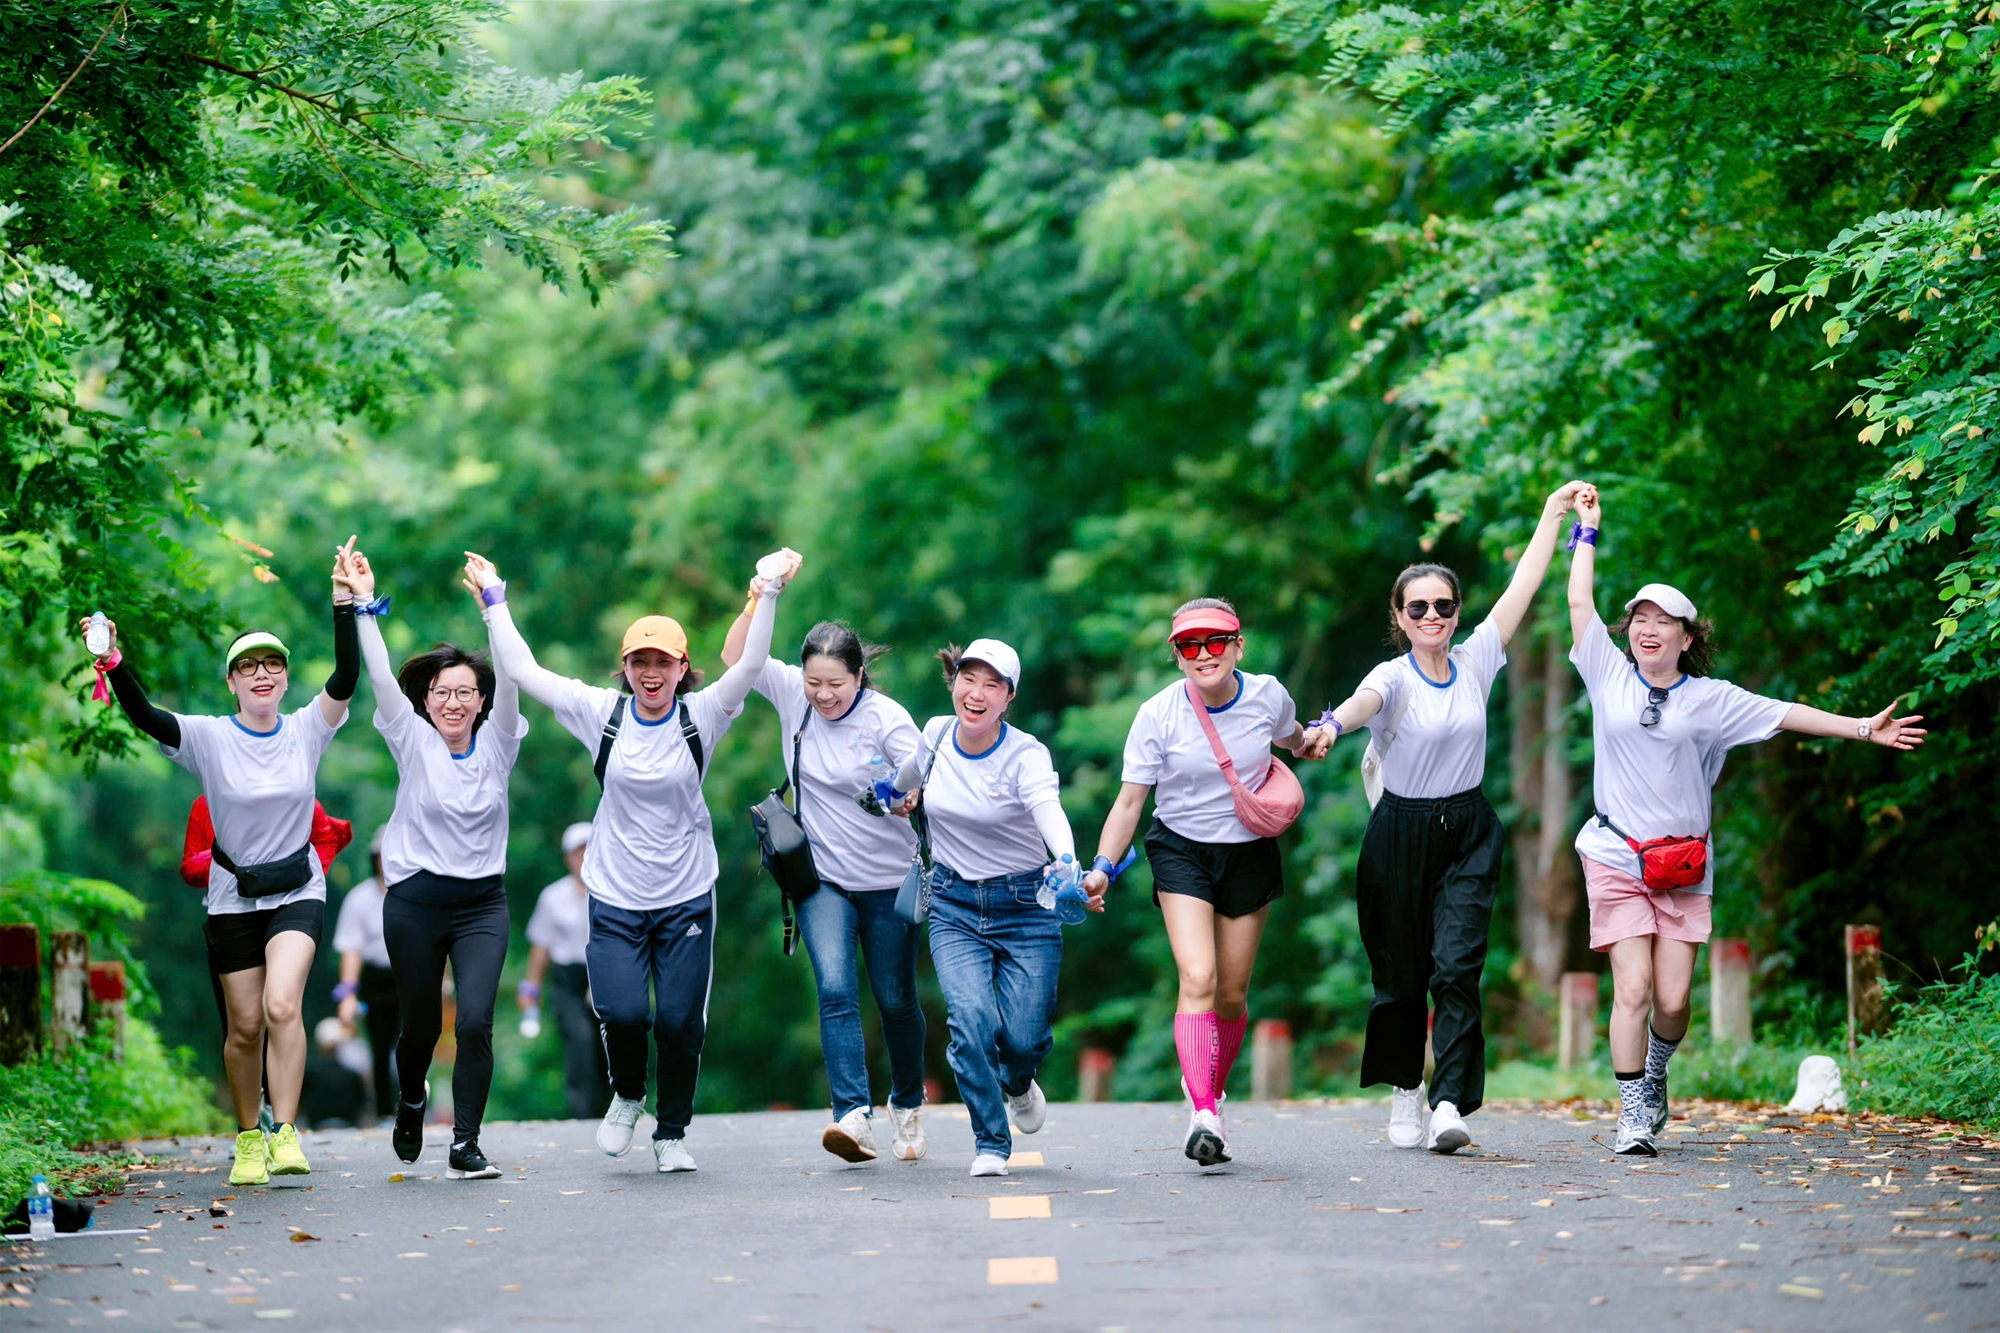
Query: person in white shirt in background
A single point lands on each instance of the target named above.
(1662, 728)
(1430, 860)
(454, 727)
(650, 864)
(367, 990)
(558, 937)
(841, 734)
(994, 806)
(1214, 880)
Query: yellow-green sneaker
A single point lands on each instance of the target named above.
(288, 1156)
(253, 1159)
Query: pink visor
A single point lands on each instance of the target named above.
(1209, 619)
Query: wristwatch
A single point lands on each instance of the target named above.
(1863, 729)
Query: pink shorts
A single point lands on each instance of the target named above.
(1623, 908)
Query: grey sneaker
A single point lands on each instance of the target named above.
(614, 1132)
(852, 1137)
(1635, 1139)
(1655, 1106)
(1028, 1110)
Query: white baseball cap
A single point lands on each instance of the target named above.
(996, 655)
(1667, 597)
(575, 836)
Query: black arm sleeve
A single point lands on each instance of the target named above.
(161, 725)
(346, 655)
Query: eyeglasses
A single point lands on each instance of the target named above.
(1447, 607)
(1217, 644)
(465, 694)
(246, 667)
(1649, 716)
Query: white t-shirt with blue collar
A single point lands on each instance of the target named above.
(982, 807)
(1167, 749)
(1438, 746)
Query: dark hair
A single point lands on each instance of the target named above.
(1697, 658)
(836, 639)
(421, 672)
(952, 657)
(1397, 637)
(1207, 604)
(690, 679)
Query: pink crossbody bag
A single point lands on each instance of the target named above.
(1271, 809)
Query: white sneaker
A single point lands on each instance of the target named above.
(1406, 1118)
(1028, 1110)
(1448, 1132)
(671, 1155)
(910, 1142)
(989, 1164)
(852, 1137)
(1205, 1143)
(614, 1132)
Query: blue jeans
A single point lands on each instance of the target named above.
(833, 921)
(998, 953)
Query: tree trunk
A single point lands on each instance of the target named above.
(1545, 869)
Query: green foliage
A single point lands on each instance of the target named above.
(1943, 1044)
(101, 910)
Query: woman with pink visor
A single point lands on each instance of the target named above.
(1662, 728)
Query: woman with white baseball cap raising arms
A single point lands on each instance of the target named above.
(1662, 728)
(995, 817)
(650, 864)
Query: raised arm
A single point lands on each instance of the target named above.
(339, 687)
(389, 698)
(739, 629)
(1885, 728)
(1583, 565)
(506, 713)
(734, 687)
(1512, 607)
(157, 723)
(512, 657)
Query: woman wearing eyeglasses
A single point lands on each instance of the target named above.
(454, 727)
(1214, 879)
(266, 895)
(1430, 859)
(650, 864)
(1662, 728)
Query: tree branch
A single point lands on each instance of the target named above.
(110, 23)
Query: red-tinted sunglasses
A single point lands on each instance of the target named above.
(1217, 644)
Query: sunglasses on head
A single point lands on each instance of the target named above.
(1216, 644)
(1447, 607)
(1656, 695)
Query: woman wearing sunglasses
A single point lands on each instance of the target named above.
(1430, 859)
(1662, 728)
(650, 864)
(266, 895)
(454, 727)
(1214, 879)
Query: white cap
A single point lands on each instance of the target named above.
(1667, 597)
(575, 836)
(996, 655)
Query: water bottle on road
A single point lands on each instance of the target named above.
(41, 1211)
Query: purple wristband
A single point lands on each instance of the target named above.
(1579, 533)
(494, 595)
(345, 990)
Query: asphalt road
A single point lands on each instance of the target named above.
(1318, 1224)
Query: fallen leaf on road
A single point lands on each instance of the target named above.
(576, 1192)
(1100, 1191)
(1792, 1289)
(300, 1236)
(511, 1286)
(274, 1314)
(395, 1177)
(414, 1254)
(1543, 1203)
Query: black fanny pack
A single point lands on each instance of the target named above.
(272, 877)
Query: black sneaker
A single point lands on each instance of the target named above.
(468, 1163)
(408, 1136)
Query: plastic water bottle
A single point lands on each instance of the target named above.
(880, 796)
(41, 1211)
(1062, 891)
(97, 639)
(531, 1021)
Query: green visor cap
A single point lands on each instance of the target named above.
(255, 639)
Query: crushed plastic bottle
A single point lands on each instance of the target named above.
(41, 1210)
(1062, 891)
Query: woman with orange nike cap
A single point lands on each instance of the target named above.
(650, 865)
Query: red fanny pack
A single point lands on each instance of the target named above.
(1667, 863)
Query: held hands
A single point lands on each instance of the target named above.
(1564, 498)
(1314, 743)
(1094, 886)
(480, 575)
(777, 569)
(1589, 506)
(343, 575)
(1898, 733)
(352, 571)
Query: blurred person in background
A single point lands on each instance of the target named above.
(558, 932)
(367, 989)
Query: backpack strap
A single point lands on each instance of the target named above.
(919, 819)
(611, 726)
(693, 736)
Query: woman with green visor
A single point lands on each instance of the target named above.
(266, 892)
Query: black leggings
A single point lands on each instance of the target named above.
(469, 928)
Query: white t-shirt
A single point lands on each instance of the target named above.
(1656, 782)
(451, 810)
(260, 796)
(652, 843)
(1439, 748)
(1168, 750)
(359, 927)
(561, 923)
(982, 808)
(850, 847)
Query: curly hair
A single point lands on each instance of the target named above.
(1697, 658)
(1398, 639)
(417, 675)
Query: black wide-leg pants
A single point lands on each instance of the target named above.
(1428, 873)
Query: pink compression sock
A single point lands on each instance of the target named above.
(1231, 1032)
(1198, 1039)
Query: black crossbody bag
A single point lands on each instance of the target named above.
(272, 877)
(781, 842)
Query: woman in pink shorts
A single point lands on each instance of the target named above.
(1663, 727)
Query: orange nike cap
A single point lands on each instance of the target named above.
(661, 632)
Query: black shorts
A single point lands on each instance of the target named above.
(236, 940)
(1236, 878)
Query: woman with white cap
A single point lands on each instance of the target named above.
(266, 896)
(454, 726)
(558, 939)
(650, 864)
(1214, 877)
(839, 736)
(1662, 728)
(994, 807)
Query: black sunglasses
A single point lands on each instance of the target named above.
(1656, 695)
(1190, 648)
(1447, 607)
